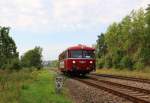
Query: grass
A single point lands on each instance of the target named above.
(145, 73)
(30, 87)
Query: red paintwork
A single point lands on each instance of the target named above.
(80, 47)
(82, 65)
(79, 64)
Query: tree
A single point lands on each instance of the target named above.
(126, 42)
(8, 50)
(32, 58)
(101, 47)
(146, 46)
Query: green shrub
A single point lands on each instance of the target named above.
(139, 65)
(14, 64)
(100, 63)
(25, 86)
(146, 55)
(117, 56)
(115, 62)
(126, 62)
(108, 62)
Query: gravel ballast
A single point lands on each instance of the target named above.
(128, 82)
(82, 93)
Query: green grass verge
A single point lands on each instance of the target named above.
(30, 87)
(145, 73)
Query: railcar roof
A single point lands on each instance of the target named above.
(80, 47)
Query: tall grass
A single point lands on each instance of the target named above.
(29, 87)
(11, 84)
(139, 73)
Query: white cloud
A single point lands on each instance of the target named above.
(144, 3)
(22, 13)
(92, 13)
(64, 15)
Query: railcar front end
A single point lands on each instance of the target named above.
(77, 60)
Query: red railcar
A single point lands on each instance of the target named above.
(78, 59)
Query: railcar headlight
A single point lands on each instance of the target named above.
(91, 62)
(73, 62)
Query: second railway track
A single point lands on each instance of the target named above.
(134, 94)
(123, 78)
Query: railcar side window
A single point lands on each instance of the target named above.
(76, 54)
(88, 54)
(64, 55)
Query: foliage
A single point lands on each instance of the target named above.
(139, 65)
(14, 64)
(54, 63)
(126, 62)
(8, 50)
(100, 63)
(101, 46)
(32, 58)
(126, 44)
(108, 62)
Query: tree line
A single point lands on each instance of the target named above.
(9, 57)
(126, 44)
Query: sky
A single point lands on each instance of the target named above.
(55, 25)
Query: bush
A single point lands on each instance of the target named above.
(100, 63)
(108, 62)
(139, 65)
(117, 56)
(146, 55)
(13, 65)
(115, 62)
(126, 62)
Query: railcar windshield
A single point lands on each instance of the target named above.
(76, 54)
(81, 54)
(88, 54)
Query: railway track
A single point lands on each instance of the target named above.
(134, 94)
(123, 78)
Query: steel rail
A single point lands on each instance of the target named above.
(122, 85)
(130, 97)
(123, 77)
